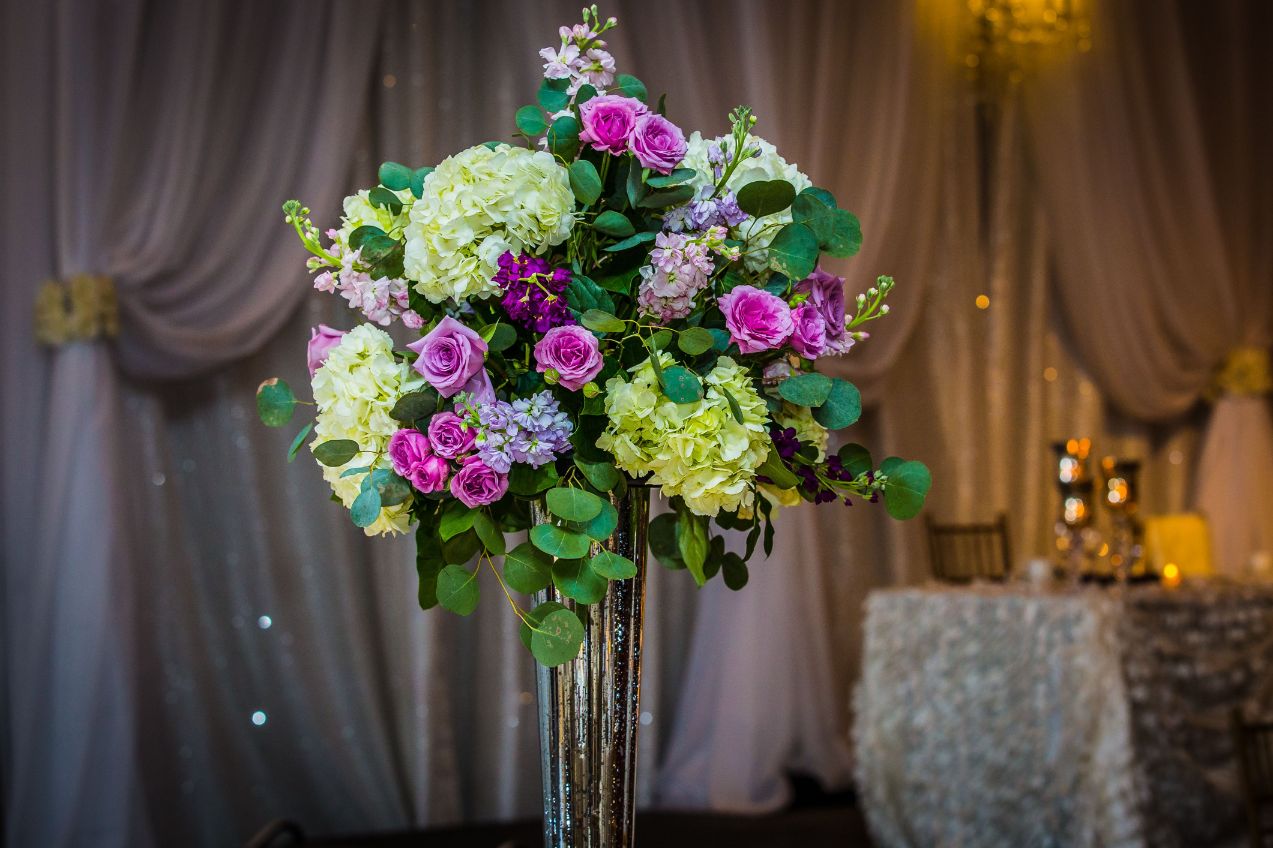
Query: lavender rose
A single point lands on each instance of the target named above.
(658, 143)
(449, 436)
(809, 331)
(429, 475)
(450, 354)
(321, 340)
(407, 448)
(477, 484)
(826, 293)
(608, 121)
(757, 320)
(573, 352)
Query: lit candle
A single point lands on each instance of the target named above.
(1171, 575)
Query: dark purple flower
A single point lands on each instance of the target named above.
(785, 441)
(534, 292)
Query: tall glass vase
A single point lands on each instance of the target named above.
(589, 708)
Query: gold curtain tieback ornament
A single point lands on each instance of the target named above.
(82, 308)
(1245, 373)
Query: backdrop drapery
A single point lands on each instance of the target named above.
(181, 577)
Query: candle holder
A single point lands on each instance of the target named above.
(1074, 480)
(1121, 496)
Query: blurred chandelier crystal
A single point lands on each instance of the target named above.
(1008, 38)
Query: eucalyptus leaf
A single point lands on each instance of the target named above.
(461, 548)
(336, 452)
(383, 197)
(661, 339)
(457, 589)
(393, 489)
(528, 569)
(552, 95)
(456, 518)
(612, 566)
(631, 87)
(489, 533)
(691, 539)
(417, 180)
(366, 507)
(530, 120)
(428, 563)
(361, 234)
(503, 336)
(614, 224)
(846, 235)
(666, 197)
(602, 475)
(816, 215)
(890, 463)
(575, 579)
(557, 638)
(842, 408)
(630, 242)
(394, 176)
(811, 389)
(855, 458)
(602, 322)
(299, 441)
(571, 504)
(559, 541)
(766, 197)
(695, 340)
(526, 481)
(414, 405)
(777, 471)
(734, 570)
(275, 402)
(906, 488)
(604, 524)
(662, 539)
(794, 251)
(678, 176)
(563, 137)
(821, 194)
(682, 385)
(585, 182)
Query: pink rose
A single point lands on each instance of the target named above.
(449, 436)
(407, 448)
(321, 340)
(450, 354)
(809, 331)
(658, 143)
(573, 352)
(479, 388)
(608, 121)
(477, 484)
(757, 320)
(826, 293)
(429, 474)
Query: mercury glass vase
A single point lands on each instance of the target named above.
(589, 707)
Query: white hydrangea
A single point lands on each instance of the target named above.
(767, 166)
(360, 212)
(478, 204)
(355, 389)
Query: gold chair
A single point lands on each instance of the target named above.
(1253, 742)
(962, 553)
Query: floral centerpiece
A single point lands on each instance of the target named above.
(599, 304)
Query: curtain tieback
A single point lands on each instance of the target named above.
(82, 308)
(1246, 372)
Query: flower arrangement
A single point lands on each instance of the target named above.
(603, 304)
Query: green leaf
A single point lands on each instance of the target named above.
(602, 475)
(361, 234)
(528, 569)
(735, 571)
(826, 197)
(525, 481)
(765, 197)
(691, 539)
(774, 468)
(560, 542)
(275, 402)
(613, 223)
(366, 507)
(336, 452)
(575, 579)
(556, 637)
(631, 86)
(602, 322)
(846, 235)
(633, 241)
(855, 459)
(667, 197)
(487, 531)
(417, 180)
(395, 177)
(695, 340)
(842, 407)
(584, 294)
(552, 95)
(620, 283)
(462, 548)
(904, 491)
(584, 93)
(677, 177)
(563, 137)
(428, 562)
(816, 215)
(299, 441)
(350, 472)
(457, 589)
(682, 385)
(393, 488)
(503, 336)
(890, 463)
(720, 339)
(633, 186)
(603, 525)
(794, 251)
(456, 518)
(663, 544)
(530, 120)
(573, 504)
(734, 408)
(611, 566)
(535, 617)
(660, 341)
(414, 405)
(585, 182)
(381, 196)
(811, 389)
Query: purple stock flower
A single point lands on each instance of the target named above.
(530, 430)
(534, 292)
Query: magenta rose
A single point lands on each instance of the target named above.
(757, 320)
(658, 143)
(321, 340)
(429, 474)
(826, 293)
(573, 352)
(407, 448)
(450, 354)
(808, 331)
(449, 436)
(477, 484)
(608, 121)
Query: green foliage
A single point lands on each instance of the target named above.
(336, 452)
(366, 507)
(361, 234)
(552, 95)
(383, 197)
(531, 120)
(584, 93)
(560, 541)
(574, 505)
(602, 476)
(695, 340)
(614, 224)
(563, 137)
(775, 470)
(906, 488)
(633, 185)
(734, 570)
(809, 210)
(457, 589)
(501, 337)
(678, 176)
(620, 283)
(456, 518)
(585, 182)
(528, 569)
(734, 409)
(461, 548)
(681, 385)
(890, 463)
(428, 563)
(575, 579)
(394, 176)
(525, 481)
(662, 537)
(601, 322)
(821, 194)
(631, 87)
(691, 540)
(584, 294)
(765, 197)
(417, 180)
(842, 408)
(811, 389)
(393, 489)
(603, 524)
(413, 406)
(612, 566)
(275, 402)
(666, 197)
(794, 251)
(630, 242)
(299, 441)
(855, 458)
(488, 532)
(846, 235)
(552, 633)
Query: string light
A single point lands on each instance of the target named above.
(983, 301)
